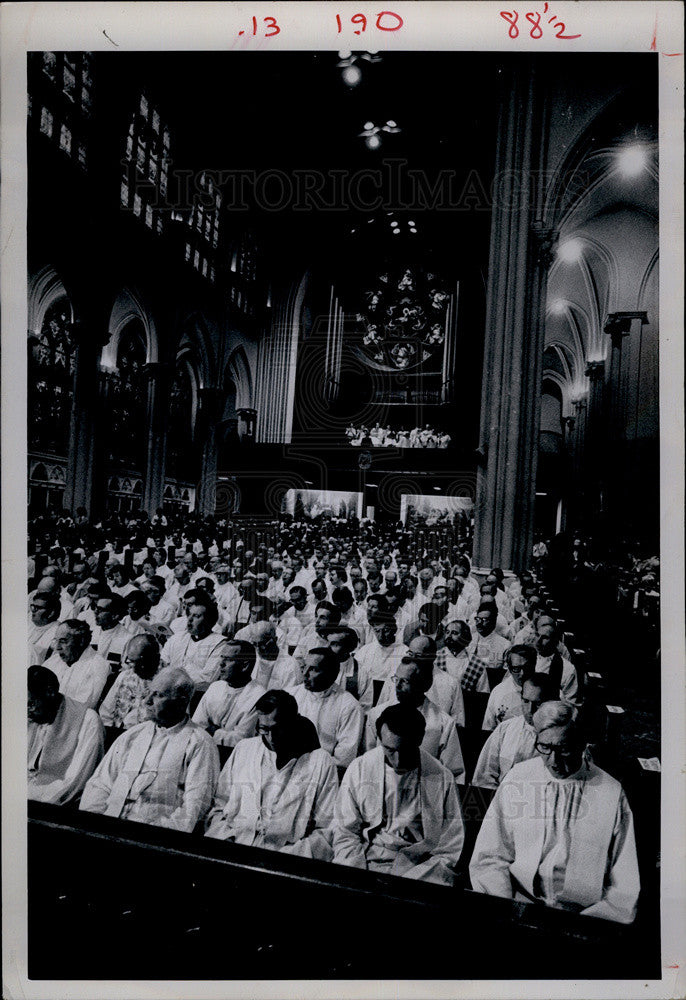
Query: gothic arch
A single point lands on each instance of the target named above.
(128, 306)
(45, 288)
(197, 341)
(238, 370)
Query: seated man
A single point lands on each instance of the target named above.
(559, 830)
(336, 714)
(65, 740)
(550, 660)
(412, 681)
(197, 651)
(513, 740)
(343, 642)
(277, 789)
(487, 647)
(227, 708)
(274, 668)
(163, 771)
(463, 666)
(124, 704)
(325, 615)
(505, 700)
(378, 658)
(397, 810)
(445, 692)
(44, 611)
(81, 671)
(109, 635)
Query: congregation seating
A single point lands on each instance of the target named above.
(143, 862)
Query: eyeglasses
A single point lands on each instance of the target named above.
(562, 751)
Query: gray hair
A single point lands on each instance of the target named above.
(179, 680)
(556, 713)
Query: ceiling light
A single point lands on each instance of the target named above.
(369, 126)
(394, 225)
(396, 232)
(570, 251)
(632, 160)
(412, 229)
(410, 223)
(558, 307)
(372, 142)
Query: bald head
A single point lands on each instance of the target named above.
(171, 690)
(142, 654)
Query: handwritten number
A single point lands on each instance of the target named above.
(359, 19)
(511, 17)
(388, 13)
(254, 25)
(338, 22)
(536, 24)
(274, 25)
(560, 32)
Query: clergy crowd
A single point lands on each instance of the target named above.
(331, 692)
(390, 437)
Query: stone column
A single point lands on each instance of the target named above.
(158, 396)
(210, 412)
(80, 483)
(521, 251)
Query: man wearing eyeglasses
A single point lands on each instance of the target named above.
(44, 611)
(514, 739)
(412, 681)
(505, 700)
(559, 830)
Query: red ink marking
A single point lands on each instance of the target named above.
(560, 32)
(511, 17)
(536, 24)
(338, 22)
(672, 53)
(276, 29)
(384, 27)
(241, 32)
(254, 25)
(653, 44)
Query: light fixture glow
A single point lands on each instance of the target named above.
(394, 225)
(351, 75)
(632, 160)
(570, 251)
(368, 126)
(412, 229)
(396, 232)
(372, 142)
(558, 307)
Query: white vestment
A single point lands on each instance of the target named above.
(84, 680)
(337, 717)
(198, 657)
(569, 684)
(511, 742)
(124, 705)
(110, 643)
(566, 842)
(230, 711)
(288, 810)
(409, 827)
(63, 754)
(41, 641)
(456, 665)
(441, 738)
(157, 775)
(445, 692)
(504, 702)
(376, 663)
(277, 674)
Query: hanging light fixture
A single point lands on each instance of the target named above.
(372, 133)
(351, 73)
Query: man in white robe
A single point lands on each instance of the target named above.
(278, 788)
(44, 611)
(64, 741)
(274, 668)
(412, 681)
(513, 740)
(164, 771)
(81, 671)
(454, 657)
(109, 636)
(378, 659)
(125, 704)
(550, 661)
(445, 692)
(343, 642)
(397, 810)
(197, 651)
(559, 830)
(336, 714)
(227, 709)
(298, 617)
(505, 700)
(487, 644)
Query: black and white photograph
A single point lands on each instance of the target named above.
(351, 457)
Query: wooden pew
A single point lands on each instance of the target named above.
(116, 900)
